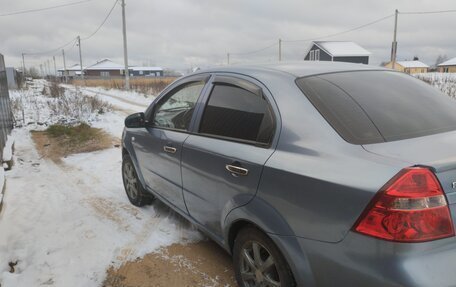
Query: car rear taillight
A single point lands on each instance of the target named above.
(411, 207)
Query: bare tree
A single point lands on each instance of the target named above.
(440, 59)
(33, 72)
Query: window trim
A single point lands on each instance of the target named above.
(312, 55)
(230, 81)
(170, 91)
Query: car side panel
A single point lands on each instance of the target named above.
(161, 170)
(210, 190)
(315, 179)
(322, 195)
(263, 215)
(127, 145)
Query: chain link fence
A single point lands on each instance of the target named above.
(6, 115)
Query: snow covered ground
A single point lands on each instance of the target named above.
(126, 101)
(445, 82)
(64, 224)
(135, 97)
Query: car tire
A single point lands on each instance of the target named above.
(133, 187)
(258, 262)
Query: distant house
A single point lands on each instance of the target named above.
(71, 71)
(104, 68)
(146, 71)
(337, 51)
(409, 67)
(447, 66)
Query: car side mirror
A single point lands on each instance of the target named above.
(136, 120)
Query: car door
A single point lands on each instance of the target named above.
(222, 160)
(159, 146)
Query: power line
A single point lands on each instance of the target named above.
(73, 41)
(349, 30)
(43, 9)
(102, 23)
(317, 38)
(343, 32)
(53, 50)
(429, 12)
(255, 51)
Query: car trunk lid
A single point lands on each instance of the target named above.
(435, 151)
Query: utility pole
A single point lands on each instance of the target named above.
(55, 67)
(394, 47)
(48, 66)
(228, 58)
(124, 30)
(64, 66)
(41, 70)
(280, 50)
(23, 66)
(80, 57)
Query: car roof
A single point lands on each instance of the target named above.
(295, 69)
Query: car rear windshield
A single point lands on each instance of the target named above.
(367, 107)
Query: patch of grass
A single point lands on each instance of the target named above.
(62, 140)
(74, 134)
(55, 90)
(77, 106)
(152, 85)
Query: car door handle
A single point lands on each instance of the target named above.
(236, 170)
(169, 149)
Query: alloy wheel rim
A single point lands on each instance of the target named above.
(258, 267)
(130, 181)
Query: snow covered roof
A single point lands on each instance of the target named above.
(146, 68)
(75, 67)
(342, 48)
(412, 64)
(105, 64)
(450, 62)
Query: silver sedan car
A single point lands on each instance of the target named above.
(309, 174)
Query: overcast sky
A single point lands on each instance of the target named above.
(180, 34)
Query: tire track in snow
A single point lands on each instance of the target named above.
(121, 104)
(157, 220)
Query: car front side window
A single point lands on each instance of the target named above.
(175, 111)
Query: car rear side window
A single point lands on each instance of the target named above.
(367, 107)
(233, 112)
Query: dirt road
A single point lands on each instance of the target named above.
(197, 264)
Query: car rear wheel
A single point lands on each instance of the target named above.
(258, 261)
(135, 192)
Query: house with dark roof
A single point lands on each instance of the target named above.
(106, 68)
(337, 51)
(146, 71)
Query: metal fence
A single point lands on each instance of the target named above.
(6, 115)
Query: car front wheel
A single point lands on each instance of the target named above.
(135, 192)
(258, 262)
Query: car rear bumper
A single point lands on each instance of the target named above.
(359, 260)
